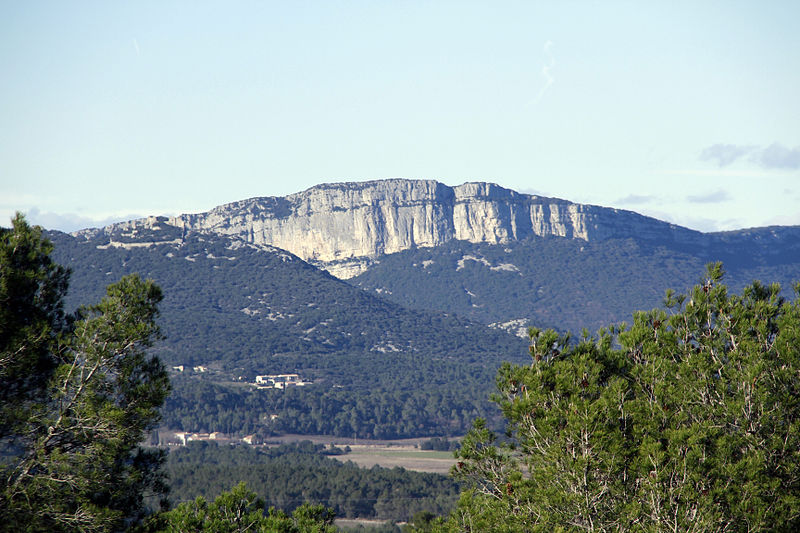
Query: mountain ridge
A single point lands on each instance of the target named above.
(411, 330)
(343, 227)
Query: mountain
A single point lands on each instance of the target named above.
(403, 347)
(344, 227)
(230, 301)
(426, 245)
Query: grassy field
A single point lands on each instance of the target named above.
(407, 457)
(389, 453)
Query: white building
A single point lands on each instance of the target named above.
(279, 381)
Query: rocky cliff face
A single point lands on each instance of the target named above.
(343, 227)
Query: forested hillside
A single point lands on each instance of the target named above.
(290, 475)
(240, 305)
(567, 284)
(379, 370)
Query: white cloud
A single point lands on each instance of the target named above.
(778, 156)
(785, 220)
(774, 156)
(725, 154)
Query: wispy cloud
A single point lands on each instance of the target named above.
(774, 156)
(714, 173)
(785, 220)
(714, 197)
(698, 223)
(709, 225)
(636, 199)
(547, 72)
(725, 154)
(136, 46)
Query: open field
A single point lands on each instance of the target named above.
(347, 524)
(407, 457)
(346, 441)
(386, 453)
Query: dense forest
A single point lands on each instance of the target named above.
(246, 307)
(289, 475)
(80, 392)
(444, 401)
(687, 420)
(379, 369)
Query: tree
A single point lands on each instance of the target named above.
(80, 393)
(241, 510)
(31, 316)
(688, 420)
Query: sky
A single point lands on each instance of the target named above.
(687, 111)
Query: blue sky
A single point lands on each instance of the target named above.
(686, 111)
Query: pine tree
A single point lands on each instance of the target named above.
(240, 509)
(79, 394)
(688, 420)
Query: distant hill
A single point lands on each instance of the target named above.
(238, 303)
(240, 310)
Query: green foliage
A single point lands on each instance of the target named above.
(31, 318)
(288, 476)
(241, 510)
(253, 308)
(72, 459)
(689, 420)
(424, 522)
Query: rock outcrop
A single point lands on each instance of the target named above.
(343, 227)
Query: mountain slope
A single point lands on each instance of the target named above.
(561, 283)
(476, 252)
(577, 265)
(235, 302)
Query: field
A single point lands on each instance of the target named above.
(408, 457)
(386, 453)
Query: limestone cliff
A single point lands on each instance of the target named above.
(342, 227)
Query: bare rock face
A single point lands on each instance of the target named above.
(344, 227)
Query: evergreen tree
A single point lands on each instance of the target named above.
(689, 420)
(79, 394)
(241, 510)
(32, 287)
